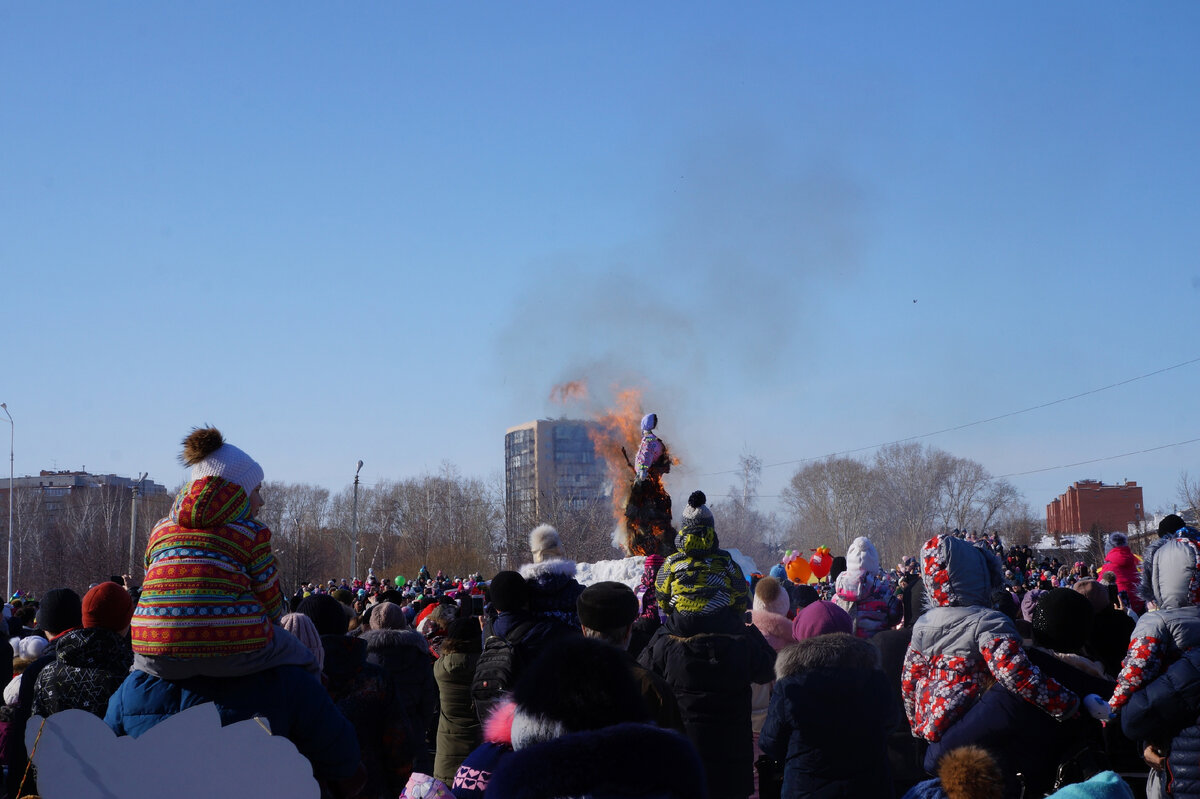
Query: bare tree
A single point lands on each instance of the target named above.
(910, 480)
(832, 501)
(1189, 493)
(740, 525)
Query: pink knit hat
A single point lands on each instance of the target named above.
(820, 618)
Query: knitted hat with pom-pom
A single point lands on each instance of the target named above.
(969, 772)
(697, 514)
(206, 452)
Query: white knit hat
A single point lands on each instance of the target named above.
(207, 453)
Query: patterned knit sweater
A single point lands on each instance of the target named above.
(211, 584)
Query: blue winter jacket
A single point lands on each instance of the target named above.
(1167, 712)
(291, 699)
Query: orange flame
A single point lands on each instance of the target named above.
(616, 434)
(571, 391)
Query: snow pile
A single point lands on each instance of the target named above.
(629, 570)
(1079, 542)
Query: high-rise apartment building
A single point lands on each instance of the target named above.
(550, 461)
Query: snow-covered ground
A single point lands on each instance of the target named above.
(629, 570)
(1074, 542)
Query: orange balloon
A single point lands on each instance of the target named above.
(798, 570)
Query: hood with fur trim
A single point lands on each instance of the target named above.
(384, 639)
(549, 573)
(776, 628)
(1171, 573)
(959, 574)
(833, 650)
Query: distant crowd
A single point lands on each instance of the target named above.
(966, 671)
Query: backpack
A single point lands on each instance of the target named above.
(497, 669)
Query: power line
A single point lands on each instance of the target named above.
(1098, 460)
(987, 420)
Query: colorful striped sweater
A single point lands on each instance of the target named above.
(211, 585)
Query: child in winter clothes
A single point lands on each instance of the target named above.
(211, 602)
(700, 580)
(1123, 565)
(959, 640)
(1171, 580)
(553, 589)
(864, 592)
(769, 615)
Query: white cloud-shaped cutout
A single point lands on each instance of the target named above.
(187, 756)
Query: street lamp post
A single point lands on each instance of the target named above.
(11, 436)
(354, 529)
(133, 526)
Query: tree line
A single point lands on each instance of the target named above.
(898, 497)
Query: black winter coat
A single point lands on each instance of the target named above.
(1167, 712)
(830, 714)
(405, 656)
(90, 666)
(711, 673)
(364, 694)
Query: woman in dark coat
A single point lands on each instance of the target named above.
(710, 673)
(830, 714)
(459, 730)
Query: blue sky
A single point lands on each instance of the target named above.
(385, 231)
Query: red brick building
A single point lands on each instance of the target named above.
(1091, 502)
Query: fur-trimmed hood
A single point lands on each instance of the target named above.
(549, 572)
(959, 574)
(775, 628)
(833, 650)
(1171, 573)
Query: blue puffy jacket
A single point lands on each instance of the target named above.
(1167, 712)
(291, 699)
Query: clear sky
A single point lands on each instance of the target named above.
(386, 230)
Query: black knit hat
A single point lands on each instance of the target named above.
(1169, 525)
(1062, 620)
(509, 591)
(607, 606)
(60, 610)
(575, 684)
(327, 614)
(804, 595)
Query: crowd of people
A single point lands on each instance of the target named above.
(966, 671)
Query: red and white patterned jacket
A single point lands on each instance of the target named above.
(958, 643)
(1171, 579)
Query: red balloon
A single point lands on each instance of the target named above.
(821, 562)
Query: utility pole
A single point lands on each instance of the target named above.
(11, 437)
(133, 526)
(354, 534)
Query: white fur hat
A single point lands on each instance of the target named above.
(545, 543)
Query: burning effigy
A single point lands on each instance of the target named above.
(646, 523)
(641, 504)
